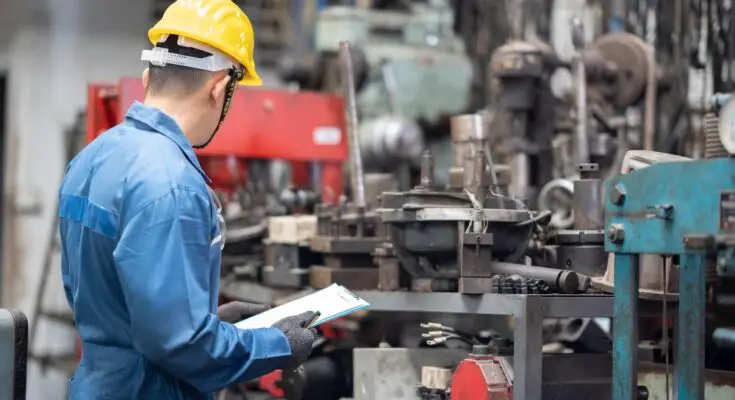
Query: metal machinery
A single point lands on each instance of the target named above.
(649, 213)
(610, 76)
(466, 249)
(13, 355)
(402, 58)
(265, 128)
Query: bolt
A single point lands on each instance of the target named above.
(616, 233)
(617, 195)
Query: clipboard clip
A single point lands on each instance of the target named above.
(313, 320)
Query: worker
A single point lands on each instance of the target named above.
(141, 235)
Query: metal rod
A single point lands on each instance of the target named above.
(427, 170)
(353, 135)
(581, 145)
(316, 171)
(391, 88)
(562, 280)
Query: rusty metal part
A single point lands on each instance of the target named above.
(626, 56)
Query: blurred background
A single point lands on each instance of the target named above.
(68, 68)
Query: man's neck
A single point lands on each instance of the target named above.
(179, 112)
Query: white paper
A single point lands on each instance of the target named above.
(332, 302)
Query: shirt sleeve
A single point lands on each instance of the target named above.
(163, 262)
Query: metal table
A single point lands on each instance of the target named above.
(528, 312)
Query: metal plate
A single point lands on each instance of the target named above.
(454, 214)
(692, 205)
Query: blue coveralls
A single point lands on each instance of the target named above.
(140, 265)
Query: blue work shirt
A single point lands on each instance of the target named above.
(140, 265)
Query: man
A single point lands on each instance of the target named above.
(141, 235)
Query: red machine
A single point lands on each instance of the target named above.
(302, 128)
(482, 377)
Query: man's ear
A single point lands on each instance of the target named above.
(146, 76)
(220, 87)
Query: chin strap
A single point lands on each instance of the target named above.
(236, 75)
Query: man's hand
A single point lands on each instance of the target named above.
(300, 339)
(236, 311)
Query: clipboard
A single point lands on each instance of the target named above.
(332, 302)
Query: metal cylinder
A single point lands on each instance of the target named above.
(427, 170)
(469, 134)
(560, 280)
(724, 337)
(316, 170)
(581, 145)
(389, 139)
(353, 132)
(479, 188)
(713, 147)
(587, 200)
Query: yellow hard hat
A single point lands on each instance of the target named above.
(220, 24)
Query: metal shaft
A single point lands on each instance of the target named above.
(561, 280)
(581, 144)
(353, 134)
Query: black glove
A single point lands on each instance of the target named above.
(300, 339)
(236, 311)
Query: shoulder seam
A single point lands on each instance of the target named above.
(170, 191)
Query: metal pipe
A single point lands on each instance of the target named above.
(479, 188)
(316, 171)
(649, 117)
(353, 133)
(563, 281)
(581, 144)
(427, 170)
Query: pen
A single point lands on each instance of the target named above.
(313, 320)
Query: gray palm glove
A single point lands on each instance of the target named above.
(236, 311)
(300, 339)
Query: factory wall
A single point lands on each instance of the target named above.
(53, 50)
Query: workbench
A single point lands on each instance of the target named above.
(528, 312)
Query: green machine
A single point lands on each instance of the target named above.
(411, 73)
(13, 355)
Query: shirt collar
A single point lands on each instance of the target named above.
(159, 122)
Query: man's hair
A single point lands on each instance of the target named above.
(175, 80)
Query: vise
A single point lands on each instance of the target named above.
(681, 209)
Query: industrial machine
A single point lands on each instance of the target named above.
(13, 355)
(649, 213)
(410, 71)
(533, 128)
